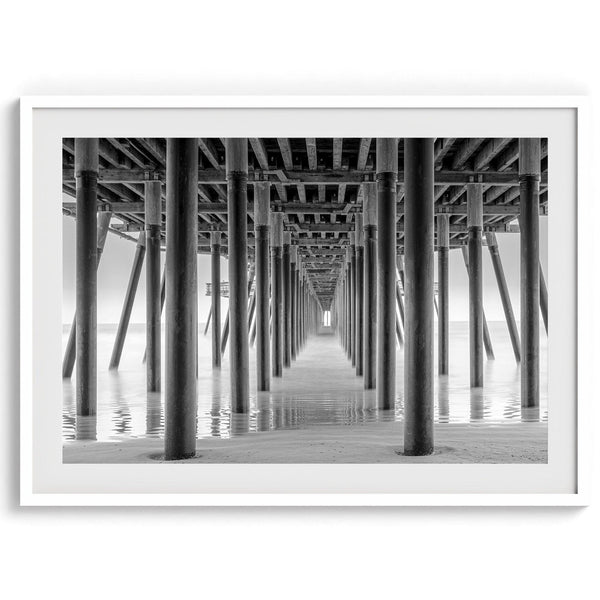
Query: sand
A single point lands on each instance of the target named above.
(364, 443)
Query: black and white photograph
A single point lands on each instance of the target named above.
(305, 300)
(300, 300)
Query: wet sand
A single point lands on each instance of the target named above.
(365, 443)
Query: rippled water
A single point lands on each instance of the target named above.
(320, 389)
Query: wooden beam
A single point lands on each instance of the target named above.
(337, 152)
(208, 149)
(311, 151)
(286, 152)
(296, 177)
(363, 153)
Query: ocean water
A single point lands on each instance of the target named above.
(320, 388)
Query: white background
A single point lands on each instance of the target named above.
(272, 47)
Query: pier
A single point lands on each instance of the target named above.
(335, 236)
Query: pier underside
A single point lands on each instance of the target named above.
(337, 345)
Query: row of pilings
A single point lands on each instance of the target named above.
(385, 297)
(284, 302)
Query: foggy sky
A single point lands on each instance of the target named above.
(117, 259)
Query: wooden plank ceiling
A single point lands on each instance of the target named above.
(316, 184)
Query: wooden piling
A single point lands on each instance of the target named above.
(236, 154)
(69, 356)
(153, 224)
(277, 292)
(513, 332)
(370, 285)
(474, 232)
(352, 299)
(529, 182)
(443, 243)
(387, 177)
(543, 299)
(181, 297)
(215, 263)
(134, 278)
(86, 258)
(418, 255)
(262, 195)
(359, 292)
(293, 264)
(287, 301)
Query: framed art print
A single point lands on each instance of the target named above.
(304, 301)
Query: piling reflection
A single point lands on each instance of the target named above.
(154, 423)
(530, 415)
(443, 399)
(86, 428)
(320, 389)
(476, 405)
(121, 416)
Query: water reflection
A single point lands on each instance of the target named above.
(86, 428)
(443, 399)
(308, 395)
(477, 411)
(154, 419)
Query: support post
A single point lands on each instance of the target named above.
(387, 177)
(181, 298)
(236, 150)
(418, 255)
(287, 303)
(359, 253)
(292, 303)
(153, 222)
(543, 299)
(529, 178)
(370, 284)
(262, 194)
(349, 321)
(134, 278)
(215, 263)
(277, 292)
(69, 356)
(504, 294)
(86, 183)
(443, 235)
(352, 250)
(474, 232)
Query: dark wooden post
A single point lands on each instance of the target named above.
(387, 176)
(262, 198)
(134, 278)
(529, 178)
(504, 294)
(418, 257)
(544, 299)
(348, 307)
(215, 263)
(86, 258)
(181, 297)
(237, 216)
(153, 223)
(359, 253)
(443, 239)
(293, 266)
(352, 282)
(69, 356)
(487, 340)
(474, 232)
(287, 304)
(370, 284)
(277, 292)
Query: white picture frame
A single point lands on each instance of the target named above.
(82, 116)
